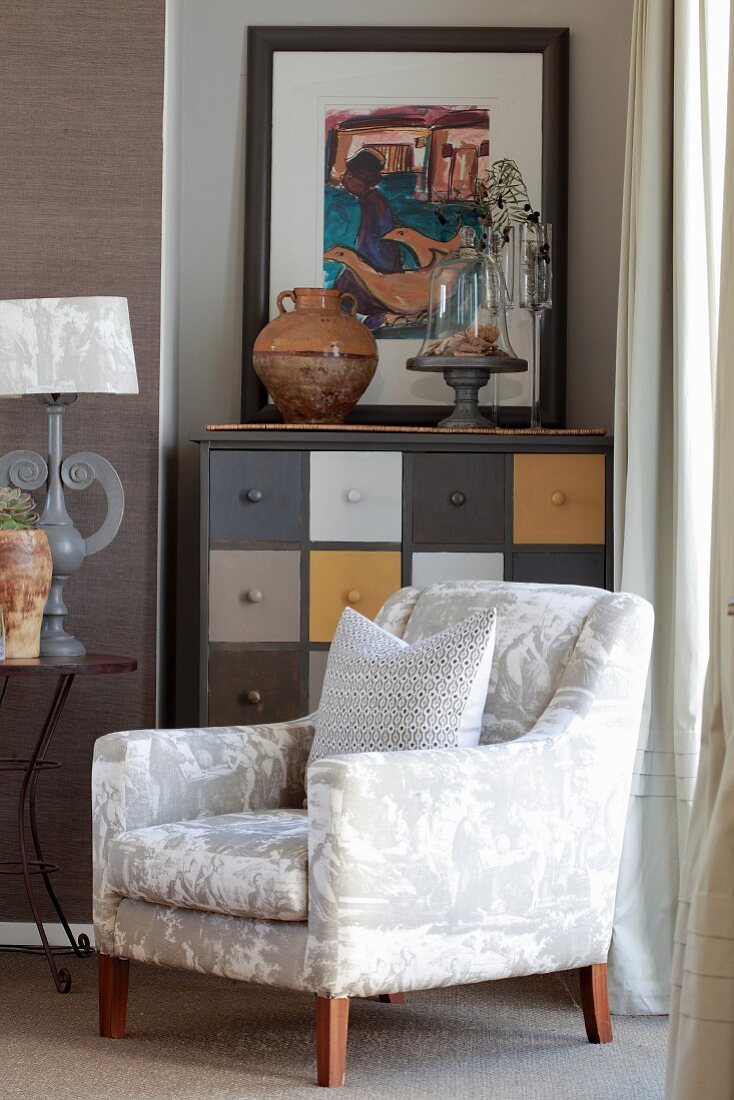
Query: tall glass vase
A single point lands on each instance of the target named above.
(536, 296)
(500, 244)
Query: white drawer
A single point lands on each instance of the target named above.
(433, 568)
(356, 496)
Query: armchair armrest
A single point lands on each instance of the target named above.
(449, 866)
(149, 777)
(461, 865)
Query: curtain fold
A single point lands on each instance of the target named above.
(701, 1047)
(663, 464)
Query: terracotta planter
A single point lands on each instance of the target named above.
(25, 581)
(315, 361)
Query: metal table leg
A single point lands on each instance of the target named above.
(26, 866)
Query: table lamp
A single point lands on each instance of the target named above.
(57, 348)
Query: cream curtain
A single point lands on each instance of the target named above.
(664, 455)
(701, 1049)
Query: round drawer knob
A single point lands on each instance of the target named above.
(354, 496)
(457, 498)
(354, 596)
(254, 595)
(254, 495)
(254, 697)
(558, 497)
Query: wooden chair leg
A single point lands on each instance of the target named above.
(391, 998)
(332, 1021)
(595, 1002)
(113, 982)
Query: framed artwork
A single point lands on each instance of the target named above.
(363, 146)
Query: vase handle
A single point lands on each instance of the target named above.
(346, 297)
(281, 298)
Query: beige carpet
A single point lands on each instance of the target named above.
(196, 1038)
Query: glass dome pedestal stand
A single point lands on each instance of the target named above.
(467, 375)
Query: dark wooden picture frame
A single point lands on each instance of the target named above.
(262, 44)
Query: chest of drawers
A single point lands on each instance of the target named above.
(297, 525)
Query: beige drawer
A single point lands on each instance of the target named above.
(254, 596)
(559, 499)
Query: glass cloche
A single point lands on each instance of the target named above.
(466, 334)
(467, 318)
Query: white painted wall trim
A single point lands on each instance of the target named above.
(25, 933)
(168, 393)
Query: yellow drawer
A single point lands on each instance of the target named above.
(559, 499)
(362, 579)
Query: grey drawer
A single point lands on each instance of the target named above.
(255, 496)
(252, 686)
(459, 499)
(559, 568)
(254, 596)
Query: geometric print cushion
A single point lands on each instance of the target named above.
(381, 694)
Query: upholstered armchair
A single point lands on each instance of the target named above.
(408, 870)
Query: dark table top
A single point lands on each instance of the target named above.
(91, 664)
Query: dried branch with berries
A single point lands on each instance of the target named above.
(500, 199)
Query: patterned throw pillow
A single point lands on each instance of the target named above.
(381, 694)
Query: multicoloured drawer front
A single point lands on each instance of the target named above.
(356, 497)
(459, 499)
(456, 566)
(296, 531)
(249, 686)
(554, 567)
(362, 579)
(254, 596)
(559, 499)
(255, 496)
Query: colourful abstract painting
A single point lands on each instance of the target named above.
(399, 182)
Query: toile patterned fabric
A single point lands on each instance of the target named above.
(268, 952)
(425, 868)
(244, 865)
(66, 345)
(537, 629)
(151, 777)
(394, 615)
(380, 693)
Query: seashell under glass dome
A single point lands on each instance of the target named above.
(467, 326)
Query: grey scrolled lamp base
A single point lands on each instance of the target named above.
(28, 471)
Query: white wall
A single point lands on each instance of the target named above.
(211, 241)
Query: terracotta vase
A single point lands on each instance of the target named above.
(316, 360)
(25, 581)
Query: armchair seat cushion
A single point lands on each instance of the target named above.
(243, 865)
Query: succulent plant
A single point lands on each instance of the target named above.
(17, 510)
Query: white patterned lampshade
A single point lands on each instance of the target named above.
(66, 345)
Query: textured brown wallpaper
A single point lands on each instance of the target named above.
(81, 102)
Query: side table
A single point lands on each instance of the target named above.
(66, 669)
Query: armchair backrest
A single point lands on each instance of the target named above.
(538, 626)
